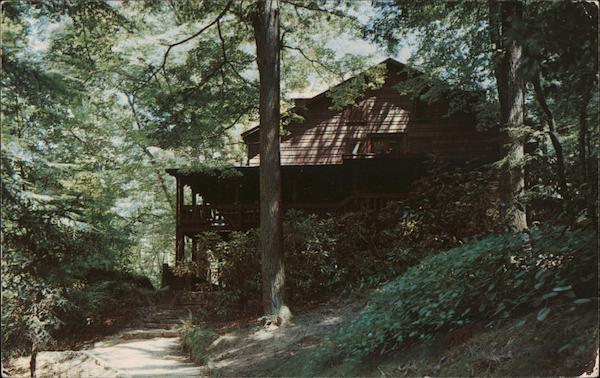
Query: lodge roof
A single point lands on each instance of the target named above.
(390, 62)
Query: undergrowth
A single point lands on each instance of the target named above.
(334, 253)
(196, 339)
(95, 303)
(484, 280)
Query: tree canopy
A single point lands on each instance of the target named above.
(99, 98)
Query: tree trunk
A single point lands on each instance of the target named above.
(511, 95)
(588, 178)
(266, 33)
(32, 360)
(560, 160)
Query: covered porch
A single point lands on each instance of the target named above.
(228, 200)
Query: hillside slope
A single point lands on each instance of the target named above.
(564, 344)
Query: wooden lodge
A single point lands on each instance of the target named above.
(356, 158)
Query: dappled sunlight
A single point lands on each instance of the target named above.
(224, 340)
(153, 357)
(331, 321)
(263, 335)
(249, 348)
(437, 211)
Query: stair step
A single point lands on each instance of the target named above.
(158, 325)
(162, 320)
(158, 321)
(149, 333)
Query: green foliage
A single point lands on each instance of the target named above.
(196, 340)
(480, 281)
(30, 316)
(239, 268)
(91, 302)
(350, 91)
(312, 256)
(330, 254)
(447, 207)
(36, 312)
(456, 44)
(58, 196)
(217, 168)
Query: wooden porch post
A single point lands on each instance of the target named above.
(180, 247)
(179, 192)
(194, 249)
(179, 236)
(180, 202)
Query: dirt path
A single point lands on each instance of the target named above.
(150, 348)
(116, 357)
(160, 356)
(148, 352)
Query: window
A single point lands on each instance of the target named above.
(387, 144)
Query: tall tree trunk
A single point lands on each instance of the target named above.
(266, 33)
(511, 95)
(582, 137)
(560, 160)
(33, 361)
(584, 150)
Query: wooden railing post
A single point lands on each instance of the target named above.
(179, 201)
(179, 246)
(164, 279)
(195, 249)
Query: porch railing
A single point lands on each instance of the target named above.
(244, 216)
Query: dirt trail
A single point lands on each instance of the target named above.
(150, 347)
(157, 351)
(159, 356)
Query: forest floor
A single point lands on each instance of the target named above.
(564, 344)
(241, 349)
(246, 349)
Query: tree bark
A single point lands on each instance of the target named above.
(582, 137)
(510, 85)
(560, 160)
(32, 361)
(584, 150)
(266, 33)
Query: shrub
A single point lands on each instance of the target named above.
(238, 260)
(312, 263)
(91, 303)
(325, 255)
(40, 313)
(29, 316)
(196, 340)
(481, 280)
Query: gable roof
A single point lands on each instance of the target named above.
(389, 62)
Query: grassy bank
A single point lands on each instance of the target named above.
(493, 282)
